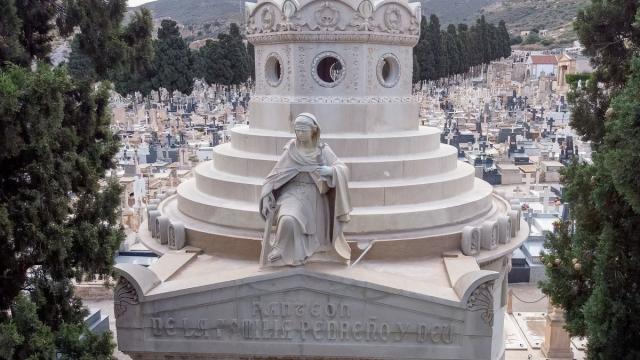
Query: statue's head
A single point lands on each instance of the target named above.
(306, 128)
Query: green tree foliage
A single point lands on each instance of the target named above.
(226, 61)
(59, 219)
(592, 260)
(212, 64)
(252, 60)
(137, 72)
(71, 342)
(532, 38)
(36, 32)
(10, 48)
(55, 220)
(454, 51)
(99, 36)
(173, 61)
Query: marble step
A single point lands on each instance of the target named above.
(233, 161)
(271, 142)
(244, 214)
(213, 182)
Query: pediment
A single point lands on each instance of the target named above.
(304, 314)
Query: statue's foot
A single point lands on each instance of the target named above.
(275, 255)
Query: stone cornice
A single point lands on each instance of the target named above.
(336, 99)
(338, 36)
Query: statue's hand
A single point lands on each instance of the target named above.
(268, 204)
(325, 171)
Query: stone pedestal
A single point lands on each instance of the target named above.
(557, 343)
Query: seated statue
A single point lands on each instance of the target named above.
(306, 196)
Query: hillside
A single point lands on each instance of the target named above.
(195, 12)
(556, 16)
(519, 15)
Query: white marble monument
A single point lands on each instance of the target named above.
(417, 272)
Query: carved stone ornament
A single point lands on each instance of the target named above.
(327, 17)
(482, 300)
(289, 10)
(393, 19)
(363, 19)
(124, 295)
(414, 25)
(490, 234)
(268, 17)
(470, 240)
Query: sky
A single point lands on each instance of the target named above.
(138, 2)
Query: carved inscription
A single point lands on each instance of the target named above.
(304, 322)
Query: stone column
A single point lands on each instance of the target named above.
(557, 342)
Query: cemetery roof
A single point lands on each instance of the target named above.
(528, 168)
(543, 59)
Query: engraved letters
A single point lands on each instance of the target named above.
(304, 322)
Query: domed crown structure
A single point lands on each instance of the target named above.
(349, 63)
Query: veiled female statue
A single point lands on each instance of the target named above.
(306, 196)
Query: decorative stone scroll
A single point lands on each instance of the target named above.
(176, 235)
(150, 208)
(470, 240)
(514, 215)
(504, 224)
(162, 227)
(151, 223)
(482, 300)
(124, 295)
(490, 235)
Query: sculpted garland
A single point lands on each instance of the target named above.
(327, 17)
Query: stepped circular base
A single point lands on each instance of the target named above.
(412, 231)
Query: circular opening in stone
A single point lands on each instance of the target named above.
(273, 70)
(389, 71)
(329, 69)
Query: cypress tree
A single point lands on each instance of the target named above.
(592, 260)
(173, 63)
(59, 218)
(137, 72)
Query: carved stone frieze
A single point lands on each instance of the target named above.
(338, 36)
(482, 300)
(124, 296)
(335, 99)
(394, 18)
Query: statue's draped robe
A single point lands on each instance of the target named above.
(319, 205)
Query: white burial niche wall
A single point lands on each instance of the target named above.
(430, 242)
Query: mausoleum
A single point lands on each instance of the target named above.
(430, 244)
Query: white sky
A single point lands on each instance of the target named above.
(138, 2)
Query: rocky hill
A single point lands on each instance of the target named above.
(553, 15)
